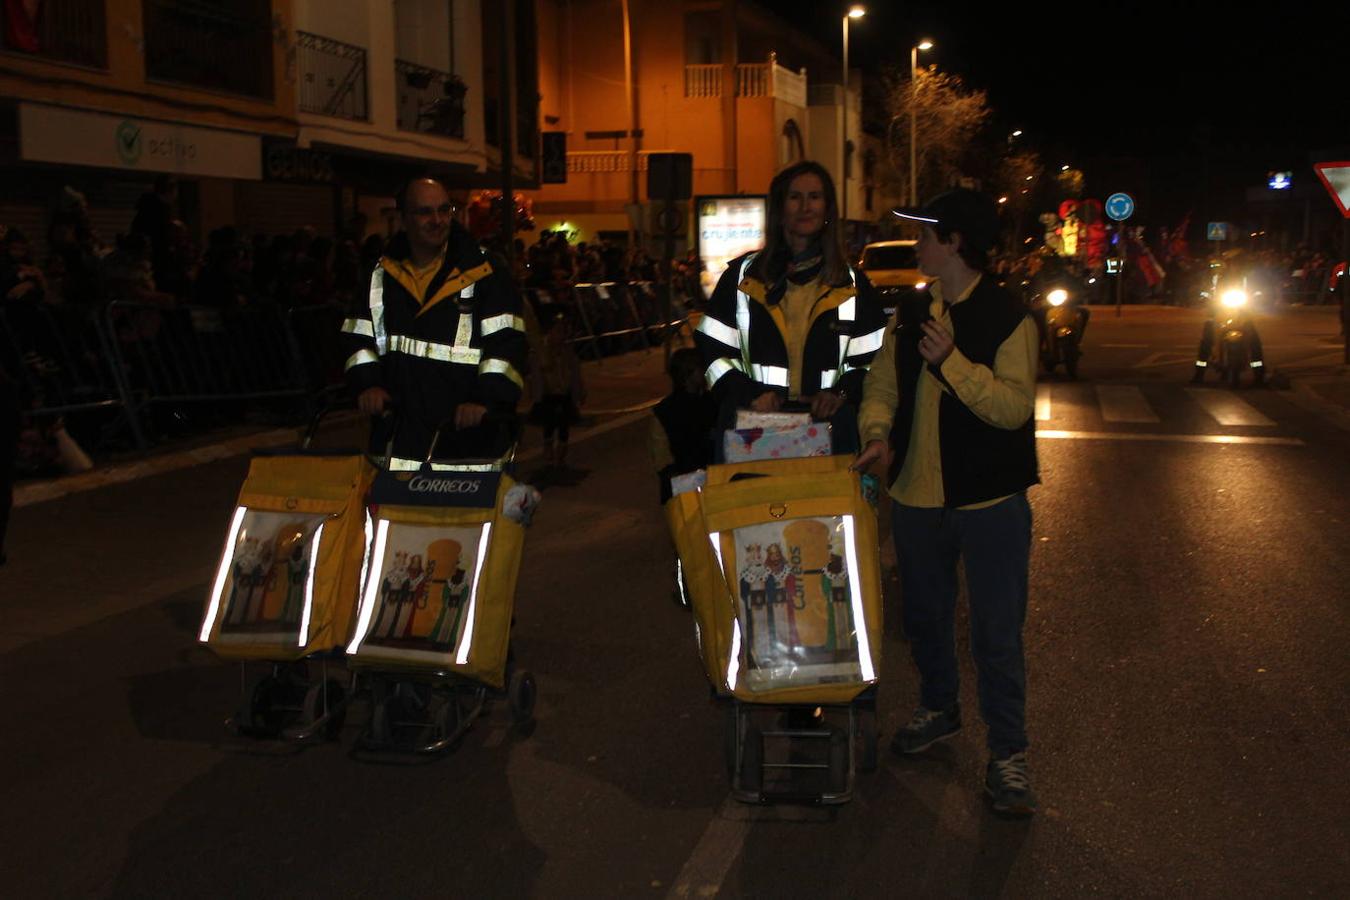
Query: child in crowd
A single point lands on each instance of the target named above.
(556, 385)
(681, 435)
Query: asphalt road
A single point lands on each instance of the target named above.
(1187, 667)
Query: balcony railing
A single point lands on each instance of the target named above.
(332, 77)
(590, 162)
(73, 31)
(429, 101)
(212, 45)
(752, 80)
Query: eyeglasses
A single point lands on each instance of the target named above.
(426, 212)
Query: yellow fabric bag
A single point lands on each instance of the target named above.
(440, 578)
(289, 575)
(799, 618)
(703, 579)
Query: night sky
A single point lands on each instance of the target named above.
(1154, 88)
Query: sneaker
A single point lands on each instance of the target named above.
(925, 729)
(1008, 786)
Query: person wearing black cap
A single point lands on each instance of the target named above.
(948, 403)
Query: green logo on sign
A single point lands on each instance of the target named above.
(129, 142)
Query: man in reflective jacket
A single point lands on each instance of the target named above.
(794, 321)
(442, 342)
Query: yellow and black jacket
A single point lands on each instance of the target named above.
(743, 338)
(461, 341)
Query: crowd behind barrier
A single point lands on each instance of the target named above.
(149, 336)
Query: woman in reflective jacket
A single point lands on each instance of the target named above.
(794, 321)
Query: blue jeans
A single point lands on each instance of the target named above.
(995, 545)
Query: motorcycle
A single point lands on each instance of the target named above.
(1062, 319)
(1231, 338)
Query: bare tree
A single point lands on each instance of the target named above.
(947, 119)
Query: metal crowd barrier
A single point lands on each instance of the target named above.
(62, 359)
(615, 316)
(194, 354)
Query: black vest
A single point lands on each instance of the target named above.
(979, 461)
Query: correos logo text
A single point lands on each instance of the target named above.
(420, 485)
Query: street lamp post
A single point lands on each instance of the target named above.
(856, 11)
(913, 127)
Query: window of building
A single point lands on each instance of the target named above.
(72, 31)
(219, 45)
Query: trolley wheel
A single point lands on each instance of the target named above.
(521, 692)
(262, 713)
(867, 739)
(752, 760)
(838, 772)
(315, 709)
(449, 715)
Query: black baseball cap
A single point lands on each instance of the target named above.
(973, 213)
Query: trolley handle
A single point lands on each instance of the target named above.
(505, 424)
(327, 400)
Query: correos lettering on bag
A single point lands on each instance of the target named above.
(420, 485)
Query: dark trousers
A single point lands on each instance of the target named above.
(995, 545)
(555, 414)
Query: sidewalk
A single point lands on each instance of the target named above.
(615, 387)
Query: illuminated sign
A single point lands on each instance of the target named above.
(1280, 181)
(727, 228)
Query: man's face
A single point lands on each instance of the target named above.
(933, 252)
(426, 215)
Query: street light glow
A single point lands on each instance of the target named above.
(1017, 133)
(925, 44)
(857, 11)
(1064, 168)
(1002, 199)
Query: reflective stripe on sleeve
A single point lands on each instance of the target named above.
(363, 327)
(720, 332)
(427, 350)
(828, 378)
(495, 324)
(360, 358)
(503, 368)
(719, 368)
(774, 376)
(867, 343)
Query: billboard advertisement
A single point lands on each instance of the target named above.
(727, 227)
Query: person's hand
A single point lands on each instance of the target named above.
(373, 401)
(936, 344)
(769, 401)
(825, 404)
(875, 451)
(469, 415)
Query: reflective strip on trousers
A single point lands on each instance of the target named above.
(719, 331)
(360, 358)
(467, 356)
(362, 327)
(377, 310)
(499, 323)
(501, 367)
(402, 464)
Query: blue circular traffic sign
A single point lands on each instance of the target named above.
(1120, 207)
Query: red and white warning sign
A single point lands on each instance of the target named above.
(1336, 176)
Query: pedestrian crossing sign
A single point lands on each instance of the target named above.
(1218, 231)
(1336, 177)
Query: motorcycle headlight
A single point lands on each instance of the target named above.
(1057, 297)
(1234, 298)
(920, 285)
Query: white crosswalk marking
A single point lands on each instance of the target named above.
(1042, 403)
(1228, 409)
(1124, 403)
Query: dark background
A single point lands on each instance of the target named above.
(1162, 99)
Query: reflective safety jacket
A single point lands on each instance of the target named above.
(743, 338)
(461, 342)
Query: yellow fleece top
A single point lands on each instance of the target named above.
(1004, 397)
(421, 275)
(797, 303)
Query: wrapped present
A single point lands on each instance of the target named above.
(792, 442)
(748, 418)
